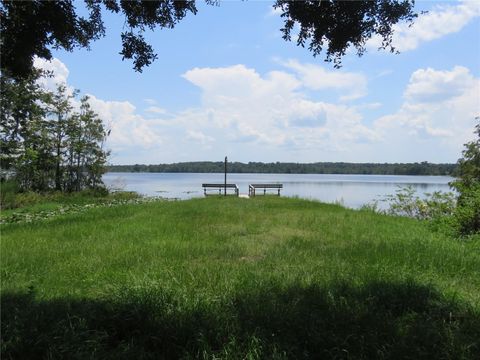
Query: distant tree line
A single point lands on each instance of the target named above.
(423, 168)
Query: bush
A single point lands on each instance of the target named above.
(99, 191)
(28, 198)
(124, 195)
(433, 206)
(8, 192)
(467, 213)
(466, 217)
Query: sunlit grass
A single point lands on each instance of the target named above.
(234, 278)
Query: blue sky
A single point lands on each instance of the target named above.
(226, 83)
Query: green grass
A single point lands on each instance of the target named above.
(235, 278)
(34, 203)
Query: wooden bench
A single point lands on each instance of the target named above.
(220, 187)
(253, 187)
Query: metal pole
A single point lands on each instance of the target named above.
(225, 176)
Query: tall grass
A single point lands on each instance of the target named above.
(30, 202)
(234, 278)
(8, 191)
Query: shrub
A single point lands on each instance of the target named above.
(467, 184)
(466, 217)
(28, 198)
(8, 192)
(433, 206)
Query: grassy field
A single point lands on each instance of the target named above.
(237, 278)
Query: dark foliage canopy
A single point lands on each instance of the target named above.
(32, 28)
(336, 25)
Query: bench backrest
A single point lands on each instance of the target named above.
(219, 185)
(273, 186)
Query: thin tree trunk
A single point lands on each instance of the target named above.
(58, 179)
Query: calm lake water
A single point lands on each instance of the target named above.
(350, 190)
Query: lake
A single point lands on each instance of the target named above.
(350, 190)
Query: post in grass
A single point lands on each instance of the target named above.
(225, 177)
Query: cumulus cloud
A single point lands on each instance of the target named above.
(274, 115)
(156, 110)
(352, 85)
(238, 80)
(58, 71)
(273, 109)
(57, 74)
(128, 128)
(429, 85)
(441, 21)
(241, 106)
(199, 137)
(438, 111)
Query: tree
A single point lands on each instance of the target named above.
(468, 170)
(337, 25)
(86, 157)
(19, 106)
(59, 108)
(31, 28)
(467, 184)
(48, 144)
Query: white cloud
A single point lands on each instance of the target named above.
(128, 128)
(238, 80)
(242, 107)
(57, 74)
(57, 69)
(429, 85)
(438, 112)
(272, 110)
(353, 85)
(156, 110)
(439, 22)
(272, 116)
(200, 137)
